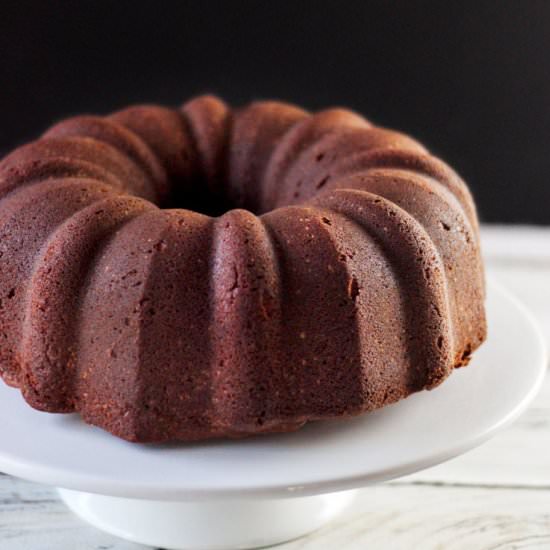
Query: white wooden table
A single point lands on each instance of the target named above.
(495, 497)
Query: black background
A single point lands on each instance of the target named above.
(470, 79)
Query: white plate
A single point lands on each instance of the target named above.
(425, 429)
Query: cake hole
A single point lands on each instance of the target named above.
(467, 352)
(353, 288)
(267, 305)
(213, 195)
(201, 196)
(322, 183)
(445, 226)
(160, 246)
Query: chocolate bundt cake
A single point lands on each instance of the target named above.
(180, 274)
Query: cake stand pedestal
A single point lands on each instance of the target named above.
(265, 490)
(198, 525)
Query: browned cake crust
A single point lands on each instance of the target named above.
(338, 269)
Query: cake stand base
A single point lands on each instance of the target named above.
(207, 525)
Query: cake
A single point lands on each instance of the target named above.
(201, 272)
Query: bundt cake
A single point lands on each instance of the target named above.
(181, 274)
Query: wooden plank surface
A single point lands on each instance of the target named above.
(496, 497)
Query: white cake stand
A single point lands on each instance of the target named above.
(266, 490)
